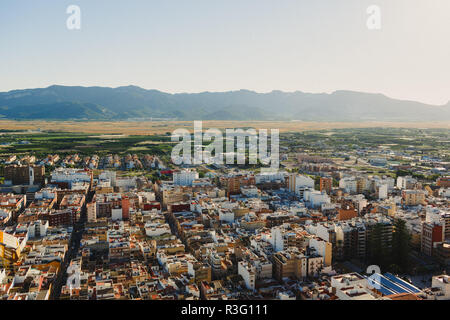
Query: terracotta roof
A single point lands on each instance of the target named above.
(403, 296)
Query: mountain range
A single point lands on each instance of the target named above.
(131, 102)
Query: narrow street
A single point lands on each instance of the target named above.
(74, 245)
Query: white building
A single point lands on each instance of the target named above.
(348, 280)
(444, 193)
(147, 196)
(248, 273)
(126, 183)
(277, 239)
(390, 182)
(443, 284)
(383, 192)
(226, 215)
(37, 229)
(355, 293)
(348, 184)
(304, 181)
(406, 182)
(269, 177)
(433, 215)
(45, 194)
(184, 178)
(321, 230)
(297, 183)
(116, 214)
(323, 248)
(250, 191)
(69, 175)
(156, 229)
(316, 198)
(263, 268)
(107, 179)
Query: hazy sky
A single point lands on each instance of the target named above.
(220, 45)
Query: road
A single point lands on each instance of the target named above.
(74, 246)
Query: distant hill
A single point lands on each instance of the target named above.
(100, 103)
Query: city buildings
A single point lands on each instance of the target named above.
(184, 178)
(233, 234)
(24, 174)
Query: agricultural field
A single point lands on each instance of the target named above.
(340, 144)
(43, 143)
(164, 127)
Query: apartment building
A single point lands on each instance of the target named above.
(432, 232)
(443, 182)
(406, 182)
(413, 197)
(25, 175)
(294, 263)
(248, 273)
(326, 184)
(185, 177)
(65, 177)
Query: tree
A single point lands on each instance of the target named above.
(317, 182)
(335, 183)
(395, 269)
(379, 250)
(401, 245)
(402, 173)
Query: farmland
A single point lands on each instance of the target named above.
(163, 127)
(41, 138)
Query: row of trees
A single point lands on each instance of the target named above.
(402, 173)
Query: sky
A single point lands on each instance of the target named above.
(221, 45)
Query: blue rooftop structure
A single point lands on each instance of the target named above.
(403, 283)
(389, 284)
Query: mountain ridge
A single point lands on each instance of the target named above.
(126, 102)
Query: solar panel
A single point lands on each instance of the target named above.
(377, 283)
(403, 283)
(389, 284)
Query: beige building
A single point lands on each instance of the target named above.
(413, 197)
(292, 263)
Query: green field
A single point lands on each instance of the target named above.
(430, 142)
(42, 144)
